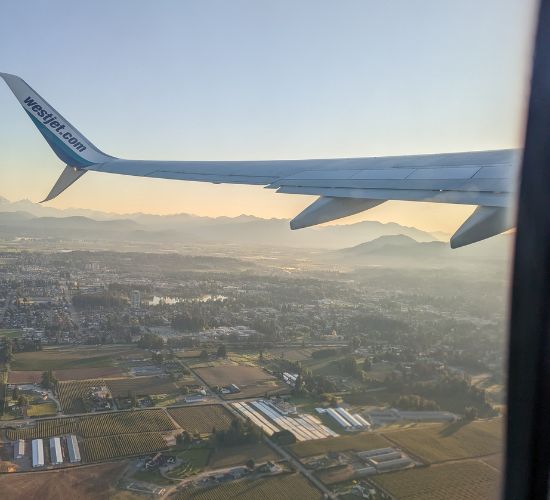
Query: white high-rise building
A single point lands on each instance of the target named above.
(135, 299)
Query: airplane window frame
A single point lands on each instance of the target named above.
(528, 405)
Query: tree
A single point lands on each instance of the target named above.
(284, 437)
(470, 413)
(48, 380)
(157, 358)
(15, 394)
(151, 341)
(23, 400)
(133, 399)
(8, 355)
(222, 351)
(367, 365)
(183, 439)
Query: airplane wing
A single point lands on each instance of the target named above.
(345, 186)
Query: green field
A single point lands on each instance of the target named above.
(287, 486)
(238, 455)
(359, 442)
(6, 332)
(465, 480)
(151, 476)
(194, 460)
(60, 358)
(142, 386)
(437, 443)
(323, 366)
(41, 410)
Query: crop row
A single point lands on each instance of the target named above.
(202, 419)
(464, 480)
(268, 488)
(105, 424)
(72, 393)
(97, 449)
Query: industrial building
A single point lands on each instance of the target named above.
(385, 459)
(339, 419)
(37, 453)
(74, 450)
(270, 418)
(385, 416)
(19, 449)
(56, 456)
(345, 419)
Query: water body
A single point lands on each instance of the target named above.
(174, 300)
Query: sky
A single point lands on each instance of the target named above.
(251, 79)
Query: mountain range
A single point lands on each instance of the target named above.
(405, 250)
(27, 219)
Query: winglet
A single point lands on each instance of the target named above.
(67, 177)
(483, 223)
(65, 140)
(327, 208)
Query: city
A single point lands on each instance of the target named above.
(200, 372)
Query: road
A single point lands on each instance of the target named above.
(300, 468)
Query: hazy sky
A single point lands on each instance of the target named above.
(253, 79)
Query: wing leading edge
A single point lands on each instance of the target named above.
(345, 186)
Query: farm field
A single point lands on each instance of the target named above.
(251, 380)
(195, 459)
(34, 376)
(269, 387)
(41, 410)
(294, 354)
(229, 457)
(10, 333)
(464, 480)
(141, 386)
(496, 461)
(73, 393)
(96, 449)
(232, 374)
(87, 373)
(335, 475)
(359, 442)
(188, 354)
(202, 418)
(62, 358)
(84, 483)
(323, 366)
(105, 424)
(273, 488)
(437, 443)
